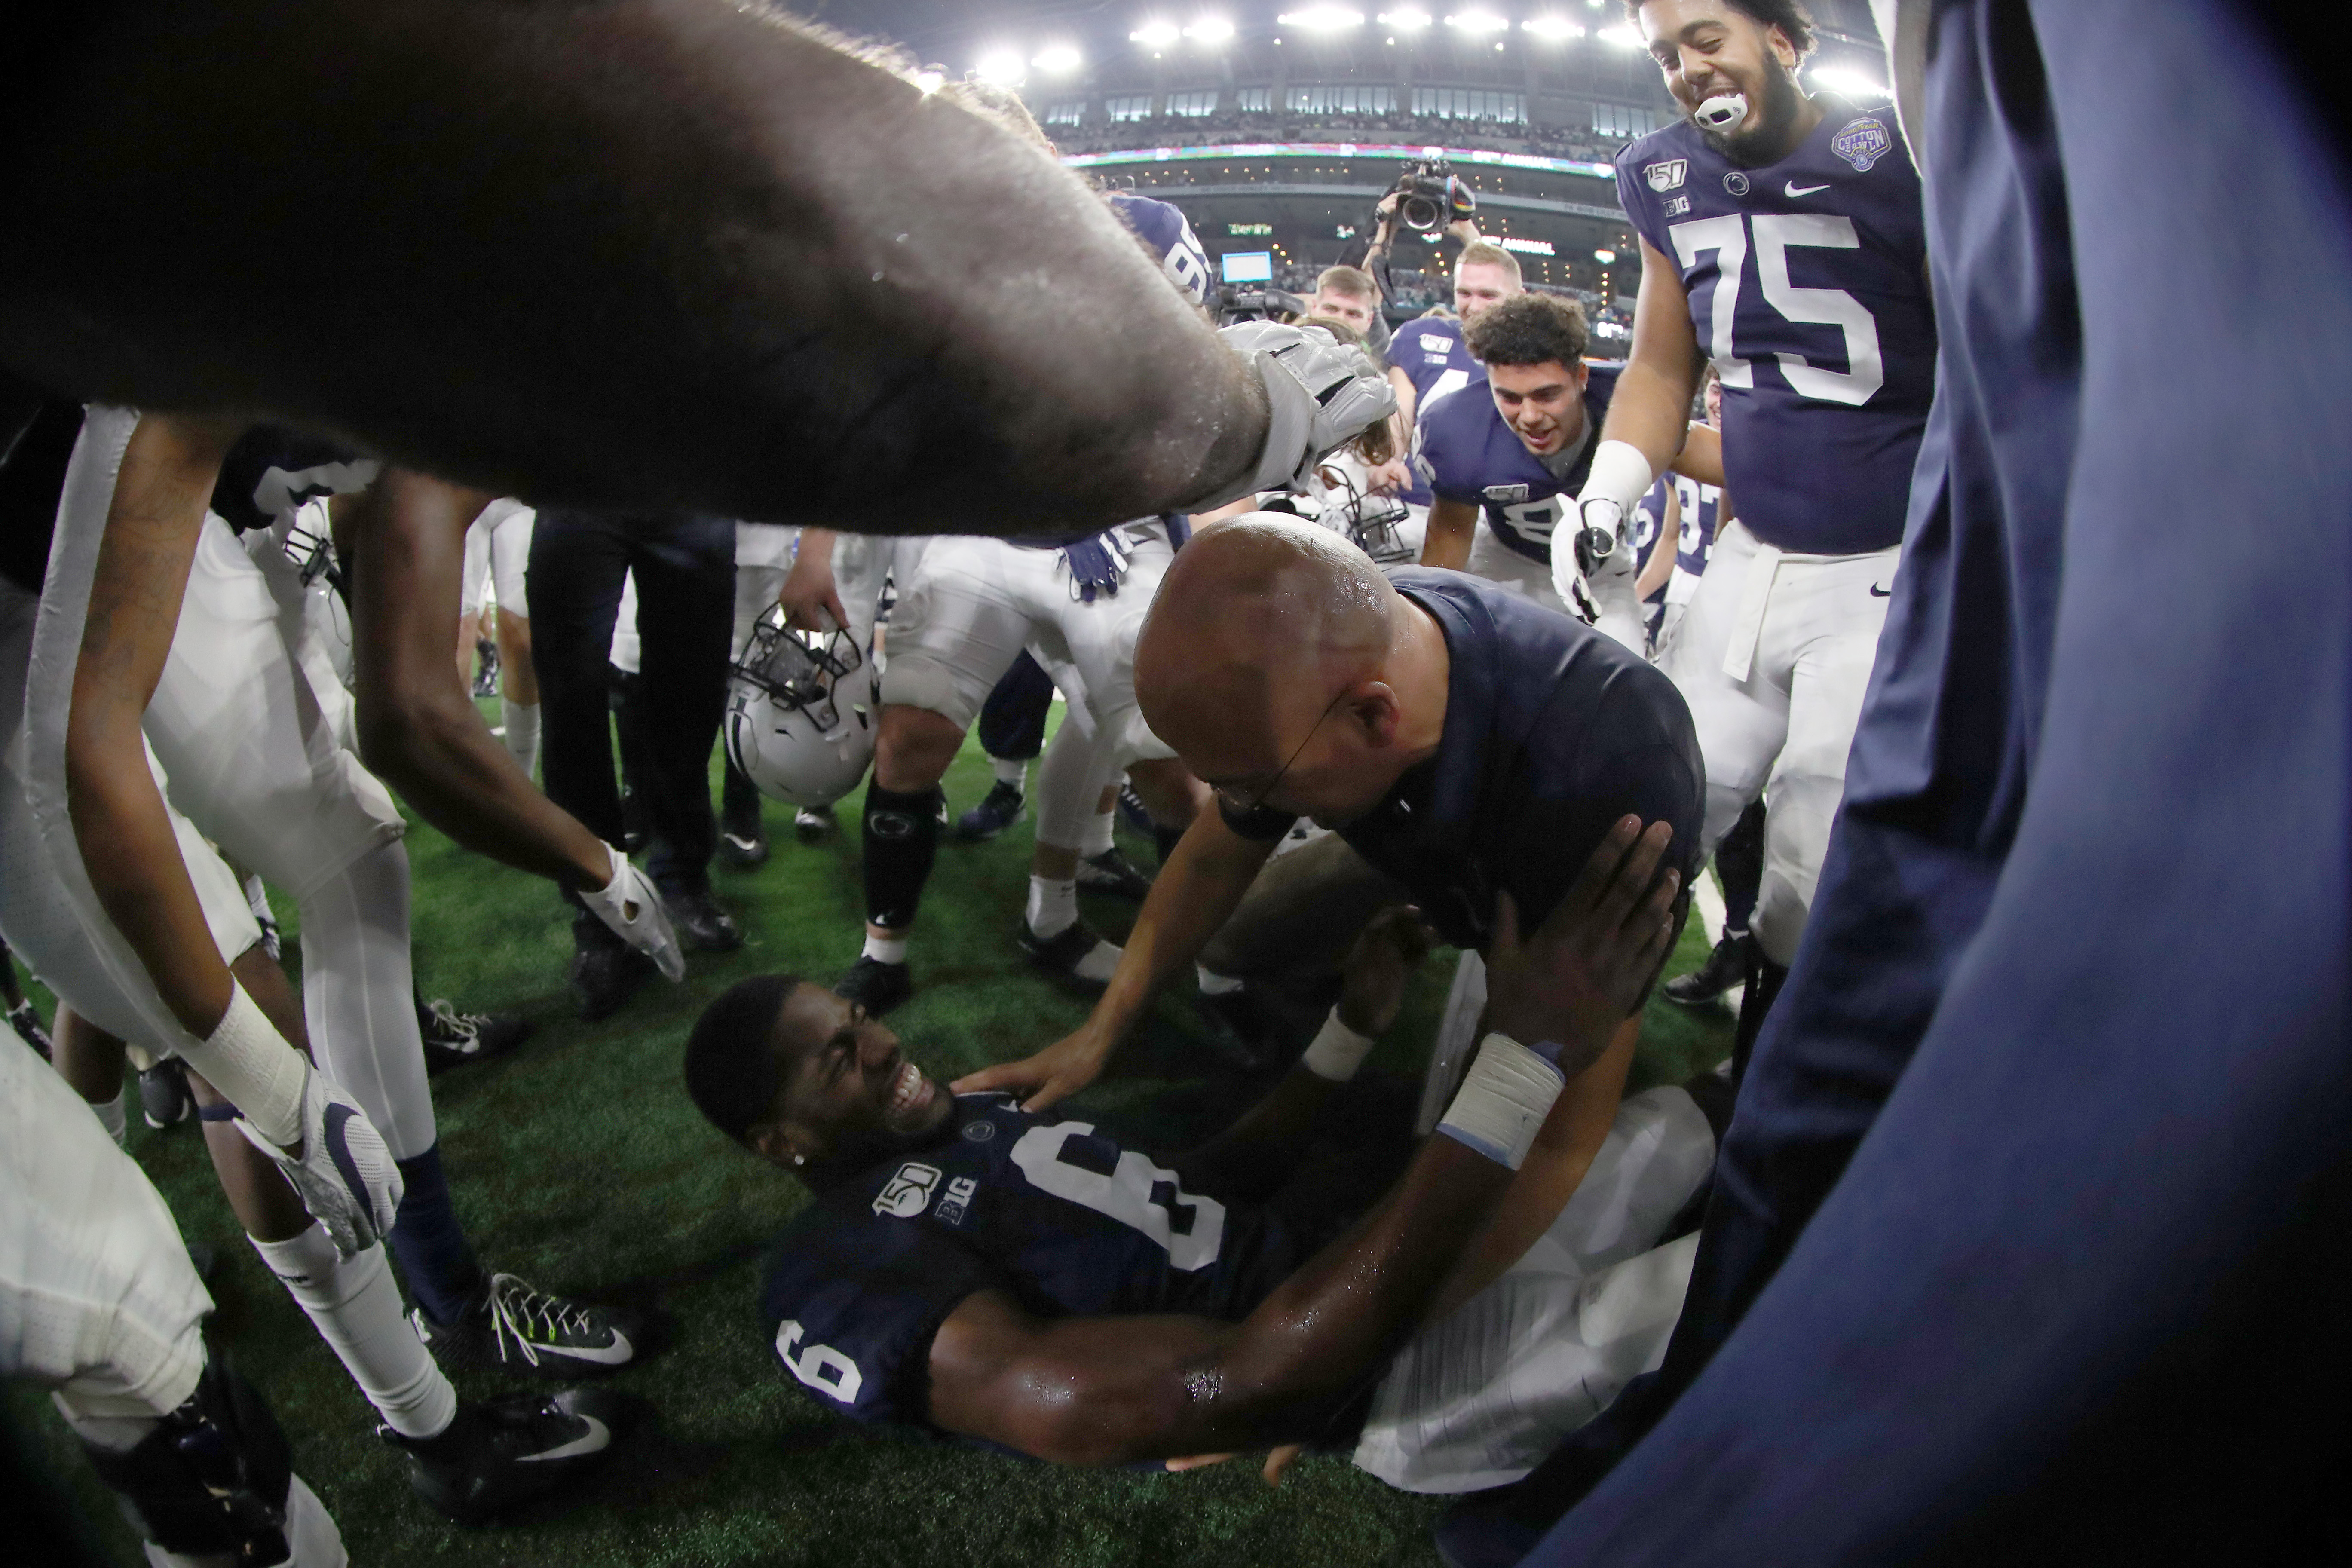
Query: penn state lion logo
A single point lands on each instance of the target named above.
(1862, 143)
(1668, 175)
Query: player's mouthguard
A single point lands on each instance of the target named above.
(1724, 112)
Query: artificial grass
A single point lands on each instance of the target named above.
(579, 1163)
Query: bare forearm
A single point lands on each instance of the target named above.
(814, 287)
(1196, 892)
(456, 775)
(133, 859)
(1451, 527)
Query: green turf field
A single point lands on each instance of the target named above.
(579, 1163)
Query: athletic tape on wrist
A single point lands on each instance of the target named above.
(1619, 473)
(1338, 1050)
(1501, 1106)
(251, 1063)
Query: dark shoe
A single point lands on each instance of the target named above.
(27, 1025)
(875, 985)
(452, 1038)
(602, 977)
(1132, 812)
(1726, 967)
(1112, 872)
(1058, 956)
(486, 667)
(163, 1097)
(811, 823)
(502, 1452)
(1242, 1030)
(514, 1328)
(701, 924)
(1003, 807)
(743, 843)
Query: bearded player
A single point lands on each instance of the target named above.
(1781, 238)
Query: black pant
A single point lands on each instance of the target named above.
(684, 569)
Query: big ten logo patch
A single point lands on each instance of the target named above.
(958, 1200)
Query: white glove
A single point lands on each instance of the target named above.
(1613, 485)
(631, 907)
(345, 1174)
(1320, 396)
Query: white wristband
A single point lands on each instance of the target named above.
(1619, 473)
(1501, 1106)
(1338, 1050)
(250, 1062)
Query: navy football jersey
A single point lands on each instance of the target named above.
(1808, 289)
(1472, 455)
(1434, 358)
(1701, 503)
(1168, 235)
(271, 471)
(1050, 1211)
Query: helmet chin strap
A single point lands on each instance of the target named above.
(1723, 113)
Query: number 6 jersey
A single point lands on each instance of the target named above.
(1808, 289)
(1047, 1211)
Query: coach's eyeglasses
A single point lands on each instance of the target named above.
(1240, 808)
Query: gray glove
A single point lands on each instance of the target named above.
(1320, 396)
(345, 1175)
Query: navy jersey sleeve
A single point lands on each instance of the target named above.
(853, 1301)
(1634, 193)
(1168, 235)
(1452, 449)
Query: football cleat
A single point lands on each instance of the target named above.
(1112, 872)
(811, 823)
(27, 1025)
(163, 1097)
(1705, 987)
(453, 1039)
(486, 676)
(505, 1451)
(605, 974)
(1134, 813)
(699, 919)
(1003, 805)
(875, 985)
(514, 1328)
(1064, 956)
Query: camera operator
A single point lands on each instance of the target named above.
(1425, 194)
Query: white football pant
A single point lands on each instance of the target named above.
(764, 558)
(498, 551)
(1480, 1397)
(1773, 656)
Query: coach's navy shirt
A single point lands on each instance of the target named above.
(1807, 287)
(1048, 1211)
(1553, 730)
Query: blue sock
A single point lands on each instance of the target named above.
(435, 1258)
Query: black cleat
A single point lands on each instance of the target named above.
(604, 975)
(27, 1025)
(486, 667)
(875, 985)
(811, 823)
(505, 1451)
(701, 924)
(1112, 872)
(514, 1328)
(163, 1097)
(1132, 812)
(454, 1039)
(1058, 956)
(1705, 987)
(1003, 807)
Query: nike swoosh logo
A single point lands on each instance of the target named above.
(613, 1354)
(1795, 189)
(597, 1439)
(1878, 592)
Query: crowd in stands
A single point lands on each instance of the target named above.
(1232, 126)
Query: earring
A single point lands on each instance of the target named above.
(800, 1159)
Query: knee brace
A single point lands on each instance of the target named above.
(901, 838)
(213, 1478)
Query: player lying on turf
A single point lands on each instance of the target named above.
(1020, 1278)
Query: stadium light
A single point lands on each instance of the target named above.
(1406, 21)
(1002, 66)
(1209, 30)
(1622, 36)
(1058, 60)
(1554, 29)
(1156, 34)
(928, 82)
(1606, 258)
(1477, 23)
(1845, 83)
(1322, 18)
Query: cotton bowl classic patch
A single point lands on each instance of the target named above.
(1862, 143)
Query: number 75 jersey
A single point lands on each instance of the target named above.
(1050, 1211)
(1808, 289)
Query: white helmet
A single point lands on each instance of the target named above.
(801, 712)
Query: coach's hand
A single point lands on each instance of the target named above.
(1580, 975)
(1386, 954)
(631, 907)
(811, 597)
(1054, 1074)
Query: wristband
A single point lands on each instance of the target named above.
(1338, 1050)
(253, 1065)
(1619, 473)
(1502, 1103)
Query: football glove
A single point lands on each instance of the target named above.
(647, 929)
(345, 1174)
(1320, 394)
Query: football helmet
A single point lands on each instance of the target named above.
(801, 712)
